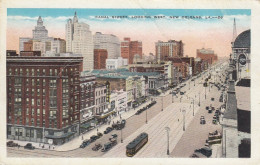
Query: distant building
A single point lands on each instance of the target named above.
(172, 48)
(109, 42)
(22, 40)
(100, 57)
(131, 48)
(112, 64)
(79, 40)
(40, 31)
(11, 53)
(207, 55)
(43, 100)
(30, 53)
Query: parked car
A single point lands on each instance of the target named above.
(97, 147)
(108, 129)
(85, 143)
(11, 144)
(94, 138)
(114, 135)
(205, 151)
(212, 99)
(181, 93)
(207, 107)
(29, 146)
(107, 147)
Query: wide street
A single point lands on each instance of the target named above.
(181, 143)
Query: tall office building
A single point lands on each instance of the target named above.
(131, 48)
(172, 48)
(79, 40)
(40, 32)
(109, 42)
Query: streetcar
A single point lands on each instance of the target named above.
(133, 147)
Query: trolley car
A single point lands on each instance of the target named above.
(133, 147)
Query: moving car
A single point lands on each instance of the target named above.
(99, 134)
(97, 147)
(85, 143)
(112, 142)
(202, 121)
(29, 146)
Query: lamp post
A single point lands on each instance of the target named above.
(167, 130)
(121, 134)
(199, 98)
(162, 103)
(189, 85)
(183, 112)
(205, 93)
(193, 106)
(146, 116)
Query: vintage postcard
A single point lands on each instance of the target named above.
(128, 82)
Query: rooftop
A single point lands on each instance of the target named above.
(243, 40)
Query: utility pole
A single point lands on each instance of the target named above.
(167, 130)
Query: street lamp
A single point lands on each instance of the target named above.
(183, 112)
(205, 93)
(121, 134)
(199, 98)
(167, 130)
(146, 117)
(162, 103)
(193, 106)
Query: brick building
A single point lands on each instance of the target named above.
(43, 100)
(11, 53)
(131, 48)
(172, 48)
(100, 56)
(207, 55)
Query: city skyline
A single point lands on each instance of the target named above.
(213, 33)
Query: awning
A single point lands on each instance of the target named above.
(106, 115)
(68, 134)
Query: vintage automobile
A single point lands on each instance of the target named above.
(11, 144)
(85, 143)
(29, 146)
(99, 134)
(94, 138)
(112, 142)
(97, 147)
(202, 121)
(108, 129)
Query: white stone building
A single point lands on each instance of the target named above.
(79, 40)
(116, 63)
(40, 32)
(109, 42)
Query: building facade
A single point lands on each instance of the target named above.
(207, 55)
(131, 48)
(112, 64)
(79, 40)
(43, 98)
(100, 57)
(87, 101)
(109, 42)
(172, 48)
(40, 32)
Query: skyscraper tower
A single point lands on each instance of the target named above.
(40, 31)
(79, 40)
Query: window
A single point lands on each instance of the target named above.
(32, 111)
(43, 112)
(32, 102)
(27, 120)
(21, 71)
(32, 72)
(10, 71)
(43, 72)
(43, 82)
(33, 82)
(38, 102)
(43, 92)
(38, 82)
(38, 112)
(27, 100)
(27, 111)
(43, 102)
(38, 72)
(32, 121)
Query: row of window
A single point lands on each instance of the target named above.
(43, 72)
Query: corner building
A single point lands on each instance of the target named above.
(43, 99)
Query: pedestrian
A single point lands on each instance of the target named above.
(53, 146)
(39, 144)
(18, 146)
(178, 120)
(43, 146)
(82, 138)
(49, 147)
